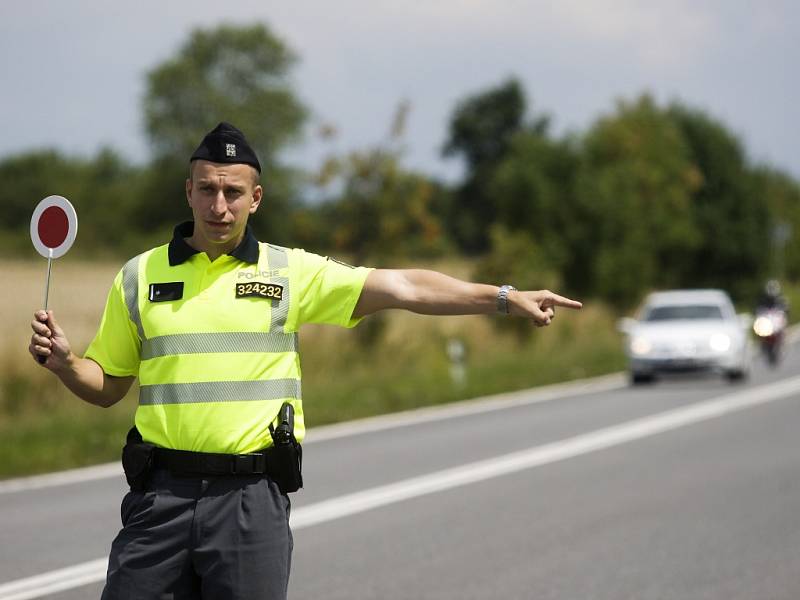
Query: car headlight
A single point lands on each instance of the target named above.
(763, 327)
(640, 346)
(720, 342)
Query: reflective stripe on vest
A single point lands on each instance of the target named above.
(277, 259)
(207, 343)
(219, 391)
(130, 285)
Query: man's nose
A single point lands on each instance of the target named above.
(219, 206)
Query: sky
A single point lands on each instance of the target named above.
(72, 74)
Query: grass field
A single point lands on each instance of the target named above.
(390, 362)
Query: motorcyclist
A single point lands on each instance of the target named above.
(772, 311)
(772, 298)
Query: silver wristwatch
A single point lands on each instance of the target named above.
(502, 298)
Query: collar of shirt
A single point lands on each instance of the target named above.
(180, 251)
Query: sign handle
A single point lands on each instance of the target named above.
(47, 282)
(40, 358)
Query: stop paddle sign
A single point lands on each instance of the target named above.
(54, 225)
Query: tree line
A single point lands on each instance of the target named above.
(649, 196)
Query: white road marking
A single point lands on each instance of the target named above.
(372, 424)
(80, 475)
(55, 581)
(350, 504)
(600, 439)
(463, 408)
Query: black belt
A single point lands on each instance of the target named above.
(207, 463)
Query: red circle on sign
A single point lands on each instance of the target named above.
(53, 226)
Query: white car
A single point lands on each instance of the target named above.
(687, 330)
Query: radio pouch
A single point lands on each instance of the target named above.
(286, 455)
(137, 460)
(286, 468)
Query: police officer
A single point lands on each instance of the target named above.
(208, 323)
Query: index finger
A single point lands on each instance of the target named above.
(40, 328)
(556, 300)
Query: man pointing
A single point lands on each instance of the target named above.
(208, 323)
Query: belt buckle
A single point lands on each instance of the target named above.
(248, 464)
(243, 464)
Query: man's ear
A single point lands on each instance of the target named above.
(258, 193)
(189, 191)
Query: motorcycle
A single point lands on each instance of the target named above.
(769, 326)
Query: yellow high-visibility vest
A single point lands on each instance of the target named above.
(214, 344)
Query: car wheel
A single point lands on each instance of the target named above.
(641, 378)
(736, 375)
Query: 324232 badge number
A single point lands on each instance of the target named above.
(271, 291)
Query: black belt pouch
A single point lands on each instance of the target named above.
(285, 465)
(137, 460)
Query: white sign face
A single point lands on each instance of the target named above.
(54, 226)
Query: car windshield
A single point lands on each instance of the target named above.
(683, 311)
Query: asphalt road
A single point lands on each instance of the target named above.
(688, 488)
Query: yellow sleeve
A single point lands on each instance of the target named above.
(323, 290)
(116, 346)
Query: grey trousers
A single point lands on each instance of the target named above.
(186, 538)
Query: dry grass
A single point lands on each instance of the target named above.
(77, 295)
(42, 426)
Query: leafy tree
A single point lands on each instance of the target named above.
(380, 210)
(481, 131)
(634, 188)
(233, 73)
(108, 201)
(533, 187)
(781, 194)
(731, 216)
(99, 188)
(482, 125)
(384, 211)
(33, 176)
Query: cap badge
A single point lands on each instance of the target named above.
(230, 150)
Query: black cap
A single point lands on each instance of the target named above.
(226, 144)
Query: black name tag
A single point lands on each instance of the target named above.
(272, 291)
(164, 292)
